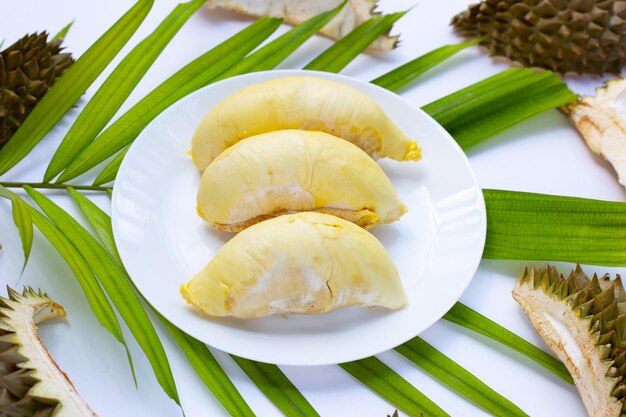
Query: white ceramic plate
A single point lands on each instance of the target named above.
(436, 246)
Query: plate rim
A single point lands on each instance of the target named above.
(480, 202)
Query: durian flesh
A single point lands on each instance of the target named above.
(297, 11)
(583, 321)
(295, 170)
(299, 263)
(601, 120)
(31, 383)
(307, 103)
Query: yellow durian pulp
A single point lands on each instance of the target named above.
(295, 170)
(299, 263)
(307, 103)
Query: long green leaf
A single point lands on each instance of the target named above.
(24, 224)
(197, 353)
(277, 387)
(109, 172)
(381, 379)
(456, 377)
(63, 32)
(209, 370)
(95, 296)
(276, 51)
(404, 75)
(464, 316)
(193, 76)
(118, 287)
(481, 110)
(117, 87)
(265, 58)
(99, 221)
(68, 89)
(554, 228)
(342, 52)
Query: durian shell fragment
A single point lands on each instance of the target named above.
(566, 36)
(583, 321)
(306, 103)
(297, 11)
(28, 68)
(295, 170)
(31, 383)
(601, 121)
(300, 263)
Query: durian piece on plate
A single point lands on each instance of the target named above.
(288, 171)
(298, 263)
(601, 120)
(307, 103)
(583, 321)
(32, 383)
(566, 36)
(297, 11)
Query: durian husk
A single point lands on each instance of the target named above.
(566, 36)
(31, 383)
(583, 321)
(28, 68)
(297, 11)
(601, 121)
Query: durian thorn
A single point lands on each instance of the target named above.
(585, 330)
(49, 382)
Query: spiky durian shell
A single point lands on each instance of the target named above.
(593, 313)
(28, 68)
(31, 384)
(579, 36)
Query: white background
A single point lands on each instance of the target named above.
(542, 155)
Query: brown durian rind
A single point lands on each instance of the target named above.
(565, 36)
(31, 383)
(583, 322)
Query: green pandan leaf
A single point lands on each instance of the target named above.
(193, 76)
(68, 89)
(22, 220)
(63, 32)
(209, 370)
(117, 87)
(342, 52)
(277, 387)
(197, 353)
(117, 285)
(470, 319)
(96, 298)
(381, 379)
(99, 221)
(276, 51)
(457, 378)
(109, 172)
(265, 58)
(478, 112)
(404, 75)
(24, 224)
(554, 228)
